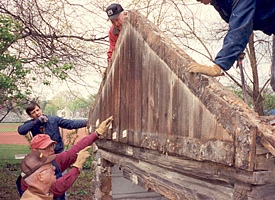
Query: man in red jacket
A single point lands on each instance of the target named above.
(64, 160)
(117, 16)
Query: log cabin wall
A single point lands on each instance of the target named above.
(164, 114)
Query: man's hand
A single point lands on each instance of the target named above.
(103, 127)
(214, 70)
(43, 118)
(82, 157)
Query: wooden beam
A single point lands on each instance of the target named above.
(166, 182)
(187, 166)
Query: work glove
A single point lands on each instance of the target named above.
(104, 126)
(43, 118)
(214, 70)
(82, 157)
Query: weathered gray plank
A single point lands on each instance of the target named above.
(116, 99)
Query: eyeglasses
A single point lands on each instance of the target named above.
(53, 145)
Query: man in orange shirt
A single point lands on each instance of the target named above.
(116, 15)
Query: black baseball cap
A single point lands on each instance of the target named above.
(114, 10)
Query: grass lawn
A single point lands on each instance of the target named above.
(9, 127)
(8, 152)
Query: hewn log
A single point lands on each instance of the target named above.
(167, 183)
(185, 165)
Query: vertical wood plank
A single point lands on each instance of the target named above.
(124, 89)
(145, 98)
(164, 97)
(116, 100)
(134, 91)
(108, 99)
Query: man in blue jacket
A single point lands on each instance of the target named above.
(49, 125)
(243, 16)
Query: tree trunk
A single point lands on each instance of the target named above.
(256, 96)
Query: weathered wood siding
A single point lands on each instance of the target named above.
(157, 105)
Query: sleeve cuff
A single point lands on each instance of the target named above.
(97, 134)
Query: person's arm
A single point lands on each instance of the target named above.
(65, 182)
(240, 29)
(28, 125)
(70, 124)
(67, 158)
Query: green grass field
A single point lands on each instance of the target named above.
(9, 127)
(8, 152)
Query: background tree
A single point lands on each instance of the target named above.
(12, 74)
(81, 106)
(71, 100)
(44, 40)
(67, 40)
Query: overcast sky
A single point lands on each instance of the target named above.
(93, 77)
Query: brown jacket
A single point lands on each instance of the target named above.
(34, 194)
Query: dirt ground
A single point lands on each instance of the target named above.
(12, 137)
